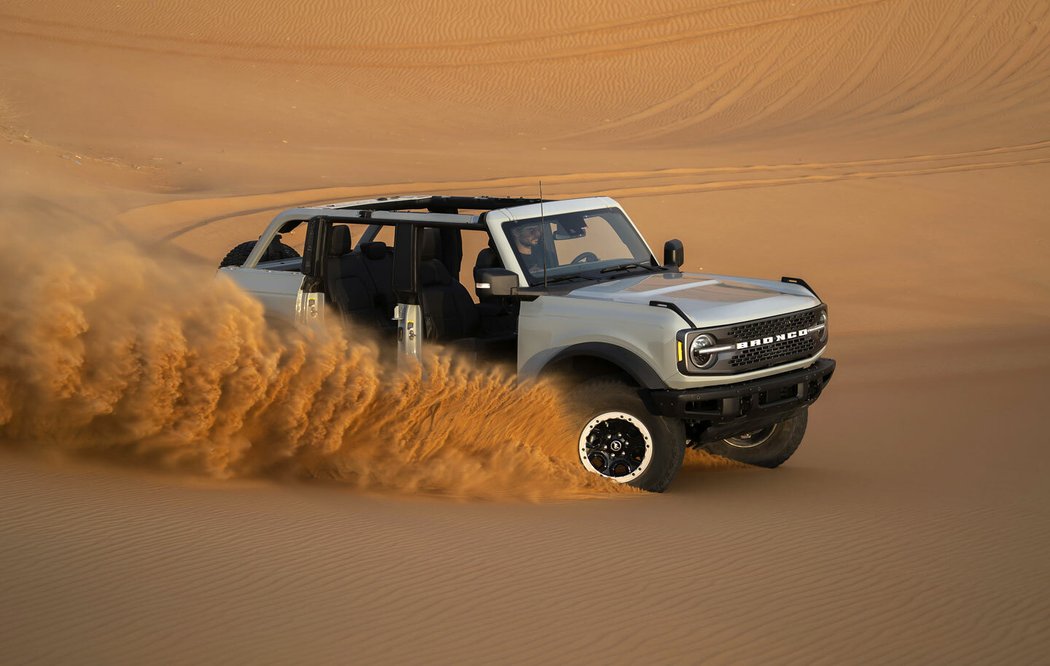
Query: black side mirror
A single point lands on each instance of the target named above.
(674, 254)
(495, 282)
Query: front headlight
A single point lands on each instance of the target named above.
(697, 355)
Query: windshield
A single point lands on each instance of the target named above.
(572, 244)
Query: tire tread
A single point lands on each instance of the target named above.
(615, 394)
(773, 453)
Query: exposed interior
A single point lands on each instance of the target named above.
(361, 260)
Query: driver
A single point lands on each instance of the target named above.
(528, 243)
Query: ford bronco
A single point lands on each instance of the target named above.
(658, 359)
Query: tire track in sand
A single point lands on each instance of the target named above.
(184, 216)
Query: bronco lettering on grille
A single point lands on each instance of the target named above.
(770, 339)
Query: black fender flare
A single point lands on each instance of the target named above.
(640, 371)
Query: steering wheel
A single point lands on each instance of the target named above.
(584, 257)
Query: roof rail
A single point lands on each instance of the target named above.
(434, 203)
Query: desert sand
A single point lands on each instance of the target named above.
(161, 499)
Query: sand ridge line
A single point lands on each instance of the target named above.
(705, 82)
(687, 188)
(541, 55)
(761, 75)
(758, 82)
(942, 60)
(811, 61)
(938, 47)
(939, 61)
(865, 66)
(1003, 41)
(599, 27)
(281, 200)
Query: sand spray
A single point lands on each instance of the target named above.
(115, 349)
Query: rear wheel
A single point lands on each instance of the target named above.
(239, 254)
(766, 447)
(622, 441)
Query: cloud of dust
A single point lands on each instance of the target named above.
(117, 351)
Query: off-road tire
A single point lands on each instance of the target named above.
(775, 448)
(239, 254)
(603, 396)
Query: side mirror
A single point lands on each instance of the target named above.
(674, 254)
(495, 282)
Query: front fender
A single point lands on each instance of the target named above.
(636, 338)
(640, 371)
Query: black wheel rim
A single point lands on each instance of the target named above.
(616, 445)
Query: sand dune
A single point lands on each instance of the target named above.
(895, 153)
(654, 75)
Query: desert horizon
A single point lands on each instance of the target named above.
(180, 482)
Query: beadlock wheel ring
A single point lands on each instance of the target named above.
(615, 440)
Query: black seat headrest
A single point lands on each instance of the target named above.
(339, 240)
(432, 272)
(375, 251)
(431, 244)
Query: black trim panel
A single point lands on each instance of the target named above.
(673, 307)
(724, 411)
(800, 282)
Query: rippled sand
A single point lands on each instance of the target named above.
(894, 153)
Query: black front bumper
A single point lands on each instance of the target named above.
(724, 411)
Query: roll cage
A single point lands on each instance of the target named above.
(436, 211)
(412, 288)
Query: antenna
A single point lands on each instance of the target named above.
(544, 228)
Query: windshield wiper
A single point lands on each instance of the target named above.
(563, 278)
(634, 264)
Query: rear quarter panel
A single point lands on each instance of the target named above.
(278, 291)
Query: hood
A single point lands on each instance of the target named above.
(709, 300)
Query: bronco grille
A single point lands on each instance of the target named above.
(783, 351)
(760, 329)
(758, 344)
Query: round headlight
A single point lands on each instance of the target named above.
(696, 351)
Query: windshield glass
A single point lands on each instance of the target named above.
(575, 243)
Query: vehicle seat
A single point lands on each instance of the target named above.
(379, 265)
(449, 313)
(345, 275)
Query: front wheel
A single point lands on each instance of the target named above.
(767, 447)
(622, 441)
